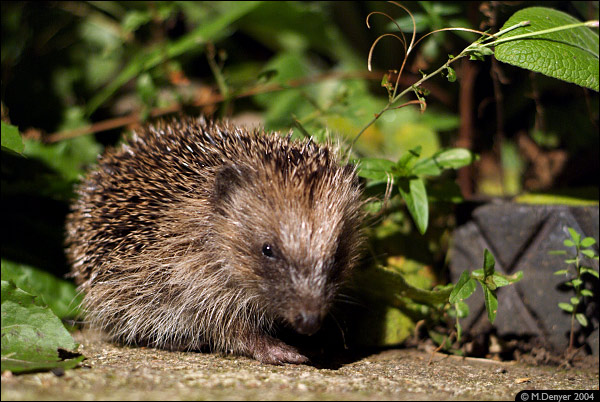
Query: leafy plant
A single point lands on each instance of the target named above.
(583, 249)
(556, 35)
(546, 26)
(489, 279)
(408, 174)
(33, 338)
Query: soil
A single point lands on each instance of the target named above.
(129, 373)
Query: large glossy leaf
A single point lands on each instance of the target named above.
(570, 55)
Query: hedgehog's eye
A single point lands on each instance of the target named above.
(267, 250)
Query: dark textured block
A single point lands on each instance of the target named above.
(520, 238)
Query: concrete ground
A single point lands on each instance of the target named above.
(125, 373)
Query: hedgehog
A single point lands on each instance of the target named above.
(198, 234)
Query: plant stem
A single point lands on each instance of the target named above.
(536, 33)
(401, 94)
(578, 292)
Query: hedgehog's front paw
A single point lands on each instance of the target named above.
(273, 351)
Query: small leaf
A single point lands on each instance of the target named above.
(586, 270)
(451, 74)
(582, 319)
(499, 280)
(588, 253)
(414, 194)
(574, 301)
(491, 303)
(574, 235)
(587, 292)
(557, 252)
(503, 280)
(561, 272)
(454, 158)
(463, 288)
(488, 263)
(11, 138)
(577, 282)
(588, 242)
(566, 306)
(569, 243)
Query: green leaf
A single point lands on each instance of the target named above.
(588, 253)
(570, 54)
(375, 169)
(504, 280)
(557, 252)
(574, 301)
(561, 272)
(499, 280)
(414, 194)
(60, 295)
(582, 319)
(478, 274)
(463, 288)
(491, 303)
(11, 138)
(588, 242)
(454, 158)
(587, 293)
(586, 270)
(408, 157)
(574, 235)
(33, 338)
(451, 76)
(577, 282)
(566, 306)
(568, 243)
(488, 263)
(69, 157)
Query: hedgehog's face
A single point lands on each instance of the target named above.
(293, 248)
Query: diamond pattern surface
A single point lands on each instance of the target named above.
(520, 237)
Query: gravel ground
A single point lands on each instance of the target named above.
(125, 373)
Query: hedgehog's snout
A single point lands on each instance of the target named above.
(307, 322)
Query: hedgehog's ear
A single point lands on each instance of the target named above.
(227, 179)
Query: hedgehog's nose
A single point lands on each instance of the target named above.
(307, 323)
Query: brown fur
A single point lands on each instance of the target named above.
(197, 233)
